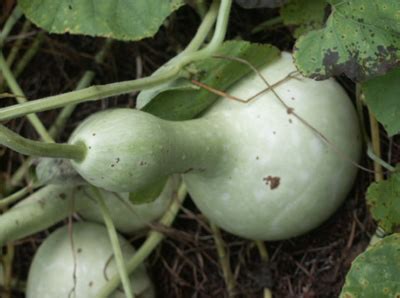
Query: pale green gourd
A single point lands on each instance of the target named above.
(52, 270)
(252, 168)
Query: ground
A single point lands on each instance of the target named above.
(186, 264)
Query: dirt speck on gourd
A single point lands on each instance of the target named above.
(272, 181)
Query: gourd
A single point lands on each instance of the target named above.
(261, 170)
(253, 168)
(52, 270)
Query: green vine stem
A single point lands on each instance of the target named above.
(203, 30)
(29, 54)
(23, 145)
(112, 234)
(102, 91)
(18, 43)
(9, 24)
(370, 151)
(267, 24)
(15, 197)
(20, 96)
(262, 250)
(152, 241)
(378, 162)
(224, 261)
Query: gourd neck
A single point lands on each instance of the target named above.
(194, 146)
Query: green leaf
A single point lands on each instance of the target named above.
(382, 97)
(361, 39)
(149, 194)
(305, 15)
(260, 3)
(217, 73)
(375, 273)
(124, 20)
(383, 199)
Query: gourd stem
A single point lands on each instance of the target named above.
(152, 241)
(92, 93)
(23, 145)
(16, 196)
(11, 21)
(102, 91)
(112, 234)
(224, 261)
(203, 30)
(218, 37)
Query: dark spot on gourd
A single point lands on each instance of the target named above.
(257, 157)
(290, 120)
(292, 98)
(41, 203)
(62, 196)
(17, 222)
(272, 181)
(90, 147)
(289, 111)
(79, 250)
(188, 170)
(142, 163)
(102, 177)
(274, 132)
(70, 7)
(94, 134)
(91, 284)
(117, 160)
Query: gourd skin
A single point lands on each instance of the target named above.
(52, 269)
(252, 168)
(280, 178)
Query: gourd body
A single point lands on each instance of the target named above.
(255, 169)
(280, 178)
(52, 271)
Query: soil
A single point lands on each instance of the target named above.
(186, 264)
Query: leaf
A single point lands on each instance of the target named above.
(124, 20)
(217, 73)
(306, 15)
(383, 199)
(375, 273)
(260, 3)
(361, 39)
(382, 97)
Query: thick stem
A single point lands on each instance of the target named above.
(112, 234)
(22, 145)
(17, 45)
(11, 21)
